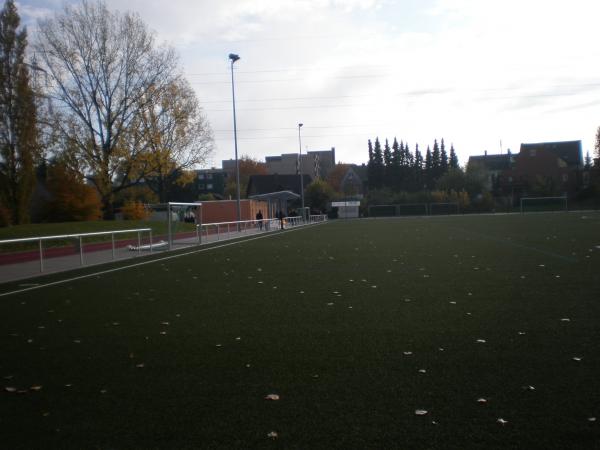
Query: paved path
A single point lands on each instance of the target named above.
(28, 269)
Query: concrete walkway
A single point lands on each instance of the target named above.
(29, 269)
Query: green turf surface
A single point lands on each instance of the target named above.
(181, 353)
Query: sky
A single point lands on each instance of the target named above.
(484, 75)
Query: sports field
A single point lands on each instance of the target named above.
(445, 332)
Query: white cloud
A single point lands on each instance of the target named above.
(471, 71)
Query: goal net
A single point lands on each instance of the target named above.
(412, 209)
(438, 209)
(179, 222)
(382, 210)
(543, 204)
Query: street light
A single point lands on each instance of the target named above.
(300, 169)
(233, 57)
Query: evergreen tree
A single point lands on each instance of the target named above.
(453, 158)
(371, 167)
(387, 163)
(436, 161)
(396, 165)
(378, 167)
(428, 170)
(443, 158)
(18, 128)
(418, 169)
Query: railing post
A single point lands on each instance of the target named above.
(139, 243)
(198, 233)
(112, 239)
(81, 250)
(218, 234)
(150, 240)
(41, 257)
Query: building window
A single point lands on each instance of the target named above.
(532, 152)
(209, 176)
(565, 177)
(201, 176)
(201, 186)
(510, 179)
(209, 186)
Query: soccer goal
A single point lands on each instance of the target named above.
(382, 210)
(180, 220)
(412, 209)
(544, 204)
(440, 209)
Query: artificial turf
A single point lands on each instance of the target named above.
(355, 325)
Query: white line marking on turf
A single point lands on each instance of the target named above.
(104, 272)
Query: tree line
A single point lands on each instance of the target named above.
(100, 108)
(397, 168)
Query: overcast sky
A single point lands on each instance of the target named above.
(474, 72)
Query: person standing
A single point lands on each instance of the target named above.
(259, 218)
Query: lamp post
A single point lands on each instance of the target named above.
(233, 57)
(300, 169)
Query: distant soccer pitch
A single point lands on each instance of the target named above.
(442, 332)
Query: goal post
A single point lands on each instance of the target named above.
(178, 212)
(544, 204)
(412, 209)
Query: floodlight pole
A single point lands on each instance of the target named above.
(300, 169)
(233, 57)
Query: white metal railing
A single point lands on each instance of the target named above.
(226, 230)
(80, 237)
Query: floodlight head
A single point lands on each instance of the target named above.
(233, 57)
(300, 125)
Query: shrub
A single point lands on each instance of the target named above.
(132, 210)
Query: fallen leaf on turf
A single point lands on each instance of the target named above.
(453, 303)
(480, 341)
(566, 319)
(481, 400)
(407, 353)
(239, 338)
(591, 419)
(529, 388)
(77, 341)
(422, 371)
(274, 397)
(165, 323)
(501, 421)
(273, 435)
(577, 358)
(163, 333)
(329, 304)
(36, 387)
(521, 333)
(140, 365)
(10, 389)
(420, 412)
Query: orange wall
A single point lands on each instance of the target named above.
(226, 210)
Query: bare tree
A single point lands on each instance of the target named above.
(104, 68)
(174, 134)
